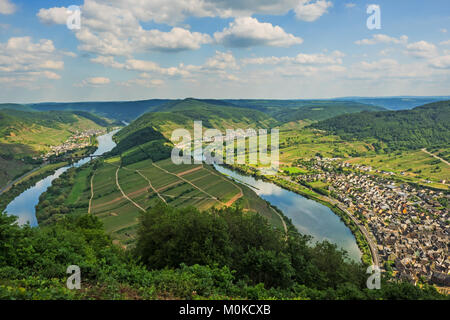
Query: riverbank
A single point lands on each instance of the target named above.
(27, 181)
(364, 243)
(23, 198)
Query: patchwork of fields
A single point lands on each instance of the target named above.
(118, 194)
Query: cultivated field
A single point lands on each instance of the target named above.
(120, 193)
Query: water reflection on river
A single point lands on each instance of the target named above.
(308, 216)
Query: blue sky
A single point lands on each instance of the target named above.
(130, 50)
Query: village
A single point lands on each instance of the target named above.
(77, 141)
(409, 224)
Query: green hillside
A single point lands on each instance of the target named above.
(118, 110)
(282, 110)
(26, 134)
(313, 110)
(39, 130)
(15, 106)
(322, 111)
(176, 114)
(425, 126)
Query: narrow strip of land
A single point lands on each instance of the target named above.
(282, 220)
(435, 156)
(12, 183)
(92, 193)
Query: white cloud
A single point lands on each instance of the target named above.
(142, 66)
(110, 29)
(95, 81)
(335, 58)
(382, 38)
(309, 10)
(421, 49)
(173, 12)
(150, 66)
(177, 39)
(247, 32)
(108, 62)
(390, 69)
(221, 61)
(56, 15)
(143, 81)
(69, 54)
(50, 64)
(24, 61)
(443, 30)
(49, 75)
(442, 62)
(384, 64)
(445, 43)
(6, 7)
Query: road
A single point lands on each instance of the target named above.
(92, 193)
(124, 194)
(435, 156)
(187, 181)
(151, 186)
(372, 245)
(362, 228)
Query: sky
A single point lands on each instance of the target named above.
(286, 49)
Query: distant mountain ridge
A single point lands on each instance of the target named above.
(120, 110)
(282, 110)
(396, 103)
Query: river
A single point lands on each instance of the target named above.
(23, 206)
(308, 216)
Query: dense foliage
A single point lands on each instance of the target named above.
(136, 138)
(313, 110)
(244, 242)
(53, 204)
(14, 120)
(154, 150)
(94, 118)
(33, 261)
(182, 113)
(425, 126)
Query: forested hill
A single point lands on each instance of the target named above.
(182, 114)
(282, 110)
(312, 110)
(25, 134)
(15, 106)
(15, 121)
(322, 111)
(424, 126)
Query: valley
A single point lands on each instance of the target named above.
(321, 160)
